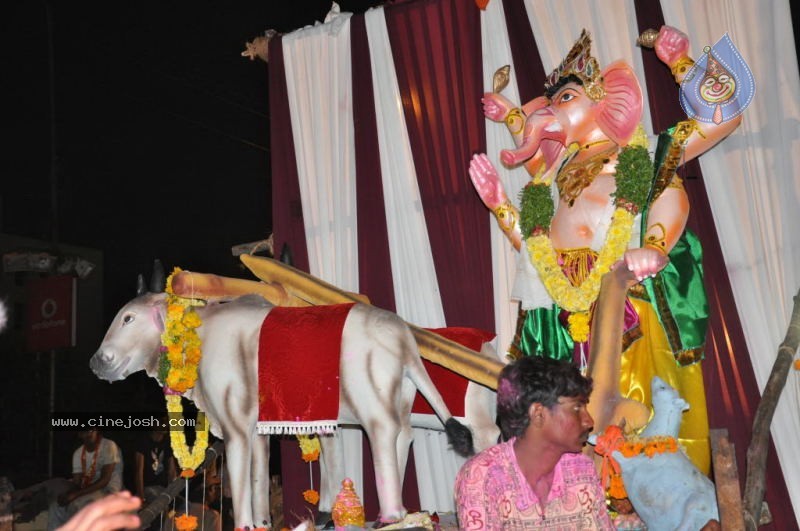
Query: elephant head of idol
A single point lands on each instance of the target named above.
(582, 105)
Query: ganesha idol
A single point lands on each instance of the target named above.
(600, 192)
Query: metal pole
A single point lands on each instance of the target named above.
(54, 235)
(51, 408)
(54, 232)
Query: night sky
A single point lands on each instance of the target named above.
(161, 129)
(160, 133)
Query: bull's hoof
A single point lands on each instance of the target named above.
(379, 524)
(412, 521)
(324, 520)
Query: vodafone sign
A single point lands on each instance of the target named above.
(51, 313)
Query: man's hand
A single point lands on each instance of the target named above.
(486, 181)
(106, 514)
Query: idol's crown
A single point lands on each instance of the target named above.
(580, 63)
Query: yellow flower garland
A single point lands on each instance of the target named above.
(579, 326)
(309, 447)
(180, 341)
(181, 346)
(187, 459)
(580, 298)
(632, 178)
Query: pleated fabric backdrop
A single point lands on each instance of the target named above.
(374, 118)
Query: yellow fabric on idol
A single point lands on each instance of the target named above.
(652, 356)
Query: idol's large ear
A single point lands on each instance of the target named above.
(620, 111)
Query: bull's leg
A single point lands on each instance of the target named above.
(404, 439)
(238, 448)
(480, 410)
(383, 439)
(259, 480)
(406, 433)
(331, 470)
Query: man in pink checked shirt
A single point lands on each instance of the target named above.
(538, 478)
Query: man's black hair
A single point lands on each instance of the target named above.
(534, 379)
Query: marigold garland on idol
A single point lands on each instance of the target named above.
(632, 177)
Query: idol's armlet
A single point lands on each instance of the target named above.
(508, 218)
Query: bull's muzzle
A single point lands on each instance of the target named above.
(105, 366)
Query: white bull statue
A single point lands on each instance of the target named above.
(378, 381)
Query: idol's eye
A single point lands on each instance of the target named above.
(708, 82)
(567, 96)
(723, 78)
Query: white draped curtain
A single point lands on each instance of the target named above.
(416, 289)
(319, 83)
(496, 53)
(318, 77)
(753, 184)
(751, 178)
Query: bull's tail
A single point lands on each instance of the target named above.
(458, 435)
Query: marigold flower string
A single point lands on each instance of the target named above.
(180, 356)
(310, 449)
(612, 439)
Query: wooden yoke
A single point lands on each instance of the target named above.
(283, 285)
(216, 288)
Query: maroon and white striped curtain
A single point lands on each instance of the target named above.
(374, 120)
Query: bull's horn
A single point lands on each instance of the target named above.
(141, 288)
(158, 282)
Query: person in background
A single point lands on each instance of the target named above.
(154, 463)
(96, 472)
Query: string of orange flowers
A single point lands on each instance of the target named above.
(612, 440)
(310, 448)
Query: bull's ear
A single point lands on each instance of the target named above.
(140, 285)
(157, 298)
(158, 282)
